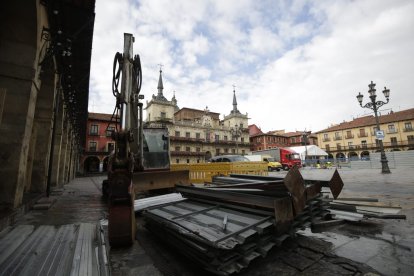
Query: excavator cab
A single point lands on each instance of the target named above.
(156, 149)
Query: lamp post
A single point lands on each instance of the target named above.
(374, 105)
(236, 132)
(305, 141)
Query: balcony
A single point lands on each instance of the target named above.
(361, 135)
(408, 129)
(186, 139)
(374, 146)
(187, 153)
(349, 136)
(162, 119)
(326, 139)
(337, 138)
(392, 131)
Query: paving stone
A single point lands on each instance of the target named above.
(322, 268)
(297, 261)
(314, 244)
(274, 267)
(309, 253)
(42, 206)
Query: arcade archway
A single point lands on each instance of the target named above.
(91, 164)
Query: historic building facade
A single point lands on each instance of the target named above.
(278, 138)
(357, 138)
(197, 135)
(98, 144)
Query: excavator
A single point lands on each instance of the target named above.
(140, 161)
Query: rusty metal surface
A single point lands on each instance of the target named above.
(146, 181)
(121, 224)
(295, 184)
(312, 190)
(283, 215)
(326, 178)
(227, 196)
(336, 184)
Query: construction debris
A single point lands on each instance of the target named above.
(143, 203)
(229, 222)
(358, 209)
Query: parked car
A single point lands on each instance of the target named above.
(228, 158)
(272, 164)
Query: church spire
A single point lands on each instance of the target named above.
(235, 110)
(160, 86)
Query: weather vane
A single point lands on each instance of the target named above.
(161, 65)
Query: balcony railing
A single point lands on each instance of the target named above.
(336, 138)
(186, 139)
(187, 153)
(162, 119)
(408, 129)
(391, 131)
(349, 136)
(374, 146)
(326, 139)
(211, 141)
(360, 135)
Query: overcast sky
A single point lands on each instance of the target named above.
(296, 64)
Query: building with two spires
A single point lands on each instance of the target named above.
(197, 135)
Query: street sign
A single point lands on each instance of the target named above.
(380, 134)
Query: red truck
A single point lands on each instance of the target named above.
(287, 157)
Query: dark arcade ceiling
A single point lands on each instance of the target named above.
(69, 40)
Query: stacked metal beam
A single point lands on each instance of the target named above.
(236, 219)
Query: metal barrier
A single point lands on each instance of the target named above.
(203, 172)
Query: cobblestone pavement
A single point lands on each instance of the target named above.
(79, 201)
(385, 245)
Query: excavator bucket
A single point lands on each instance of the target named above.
(154, 180)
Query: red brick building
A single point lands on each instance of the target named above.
(277, 138)
(98, 143)
(296, 138)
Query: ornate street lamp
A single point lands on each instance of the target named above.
(236, 132)
(374, 105)
(305, 142)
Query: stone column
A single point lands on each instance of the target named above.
(43, 123)
(69, 157)
(57, 147)
(63, 150)
(30, 157)
(19, 50)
